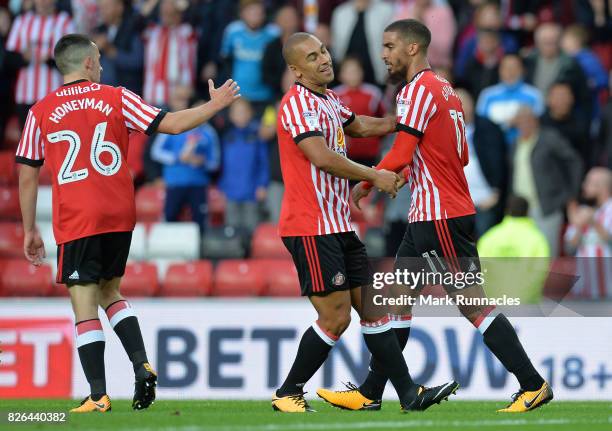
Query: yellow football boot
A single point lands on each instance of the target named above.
(523, 401)
(349, 399)
(291, 404)
(88, 405)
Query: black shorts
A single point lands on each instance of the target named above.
(440, 245)
(93, 258)
(328, 263)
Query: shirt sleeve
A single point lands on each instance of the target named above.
(31, 150)
(139, 115)
(346, 114)
(300, 117)
(415, 107)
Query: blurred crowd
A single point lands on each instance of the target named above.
(533, 76)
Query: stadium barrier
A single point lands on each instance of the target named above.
(243, 348)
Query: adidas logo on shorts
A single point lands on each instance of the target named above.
(74, 275)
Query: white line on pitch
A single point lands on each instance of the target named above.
(380, 425)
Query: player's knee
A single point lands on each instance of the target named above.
(337, 324)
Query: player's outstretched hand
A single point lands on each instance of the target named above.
(359, 192)
(387, 181)
(225, 94)
(34, 247)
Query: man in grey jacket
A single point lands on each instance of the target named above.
(546, 171)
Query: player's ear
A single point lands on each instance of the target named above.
(295, 71)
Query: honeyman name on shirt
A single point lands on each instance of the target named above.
(74, 105)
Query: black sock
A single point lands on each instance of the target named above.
(125, 323)
(90, 345)
(312, 352)
(385, 349)
(500, 337)
(373, 386)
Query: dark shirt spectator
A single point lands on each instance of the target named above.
(560, 114)
(273, 64)
(209, 18)
(120, 46)
(487, 172)
(483, 69)
(486, 17)
(356, 31)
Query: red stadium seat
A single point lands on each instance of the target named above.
(11, 240)
(9, 204)
(8, 172)
(239, 278)
(20, 278)
(140, 279)
(267, 244)
(188, 279)
(150, 203)
(281, 276)
(216, 206)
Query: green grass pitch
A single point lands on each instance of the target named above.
(211, 415)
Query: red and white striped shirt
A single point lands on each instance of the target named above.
(38, 34)
(81, 132)
(315, 202)
(170, 60)
(594, 257)
(428, 108)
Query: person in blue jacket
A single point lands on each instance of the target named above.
(188, 160)
(245, 168)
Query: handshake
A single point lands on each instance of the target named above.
(384, 180)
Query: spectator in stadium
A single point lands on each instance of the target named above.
(517, 236)
(560, 114)
(8, 62)
(599, 20)
(242, 50)
(120, 45)
(546, 172)
(170, 53)
(482, 70)
(548, 64)
(245, 173)
(273, 64)
(501, 102)
(267, 132)
(32, 37)
(315, 14)
(575, 44)
(487, 172)
(486, 17)
(356, 31)
(363, 99)
(85, 13)
(210, 18)
(604, 150)
(438, 16)
(589, 235)
(188, 160)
